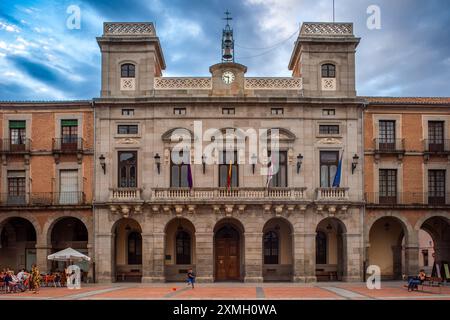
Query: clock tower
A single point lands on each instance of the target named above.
(228, 77)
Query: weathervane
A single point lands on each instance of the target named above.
(227, 41)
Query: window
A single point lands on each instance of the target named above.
(329, 129)
(127, 169)
(134, 248)
(328, 167)
(436, 187)
(16, 187)
(328, 71)
(328, 112)
(183, 247)
(271, 244)
(425, 258)
(128, 112)
(436, 136)
(388, 186)
(277, 111)
(279, 178)
(321, 248)
(127, 129)
(179, 172)
(68, 187)
(228, 111)
(69, 134)
(224, 169)
(179, 111)
(127, 70)
(17, 134)
(387, 135)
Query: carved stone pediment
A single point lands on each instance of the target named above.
(329, 141)
(127, 141)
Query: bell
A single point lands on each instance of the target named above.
(227, 53)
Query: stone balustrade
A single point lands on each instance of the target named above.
(125, 194)
(199, 194)
(332, 194)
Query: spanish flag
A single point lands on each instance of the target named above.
(230, 174)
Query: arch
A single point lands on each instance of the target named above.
(387, 238)
(179, 248)
(178, 133)
(285, 135)
(30, 218)
(122, 270)
(18, 243)
(333, 231)
(51, 222)
(429, 215)
(438, 229)
(407, 228)
(229, 250)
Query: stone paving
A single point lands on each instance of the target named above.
(233, 291)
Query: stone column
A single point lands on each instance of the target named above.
(153, 257)
(253, 257)
(412, 259)
(104, 254)
(352, 255)
(304, 257)
(204, 248)
(91, 252)
(42, 252)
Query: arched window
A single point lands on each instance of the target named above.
(321, 248)
(134, 248)
(183, 248)
(127, 70)
(328, 71)
(271, 253)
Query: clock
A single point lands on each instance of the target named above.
(228, 77)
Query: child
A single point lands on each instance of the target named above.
(191, 278)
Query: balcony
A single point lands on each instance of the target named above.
(14, 146)
(388, 146)
(439, 147)
(407, 199)
(223, 194)
(68, 145)
(125, 195)
(43, 199)
(332, 194)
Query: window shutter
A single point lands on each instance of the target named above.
(17, 124)
(69, 123)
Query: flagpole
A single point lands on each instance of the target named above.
(334, 20)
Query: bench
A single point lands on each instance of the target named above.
(432, 282)
(133, 276)
(322, 275)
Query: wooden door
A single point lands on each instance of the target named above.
(227, 256)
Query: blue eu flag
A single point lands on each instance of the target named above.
(337, 177)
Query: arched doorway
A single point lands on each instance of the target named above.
(69, 232)
(277, 250)
(330, 250)
(127, 260)
(179, 249)
(386, 247)
(18, 244)
(228, 251)
(434, 247)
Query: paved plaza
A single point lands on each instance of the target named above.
(233, 291)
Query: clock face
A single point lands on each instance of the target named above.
(228, 77)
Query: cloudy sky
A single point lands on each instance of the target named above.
(42, 59)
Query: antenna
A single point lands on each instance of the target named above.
(334, 20)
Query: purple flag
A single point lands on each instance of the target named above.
(189, 177)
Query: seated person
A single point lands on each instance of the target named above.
(57, 279)
(414, 282)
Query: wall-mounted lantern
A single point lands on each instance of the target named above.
(158, 162)
(299, 162)
(102, 160)
(354, 163)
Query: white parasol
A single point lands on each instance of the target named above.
(68, 254)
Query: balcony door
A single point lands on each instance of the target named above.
(68, 186)
(436, 136)
(17, 135)
(69, 135)
(388, 186)
(127, 169)
(328, 167)
(436, 187)
(16, 187)
(387, 135)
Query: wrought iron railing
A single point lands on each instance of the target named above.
(69, 144)
(15, 145)
(407, 198)
(43, 199)
(389, 145)
(437, 146)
